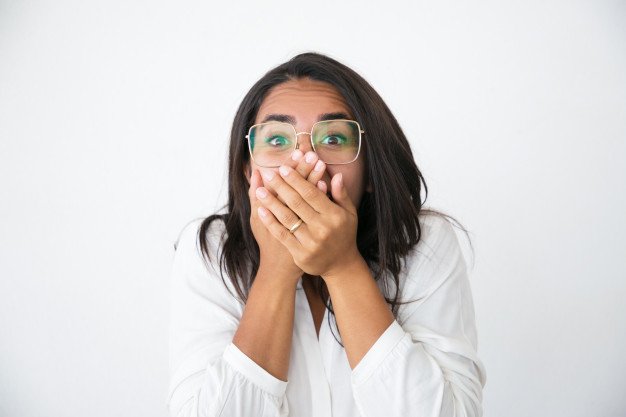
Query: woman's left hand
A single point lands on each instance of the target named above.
(326, 242)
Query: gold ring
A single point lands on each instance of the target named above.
(297, 224)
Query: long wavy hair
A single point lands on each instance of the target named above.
(388, 225)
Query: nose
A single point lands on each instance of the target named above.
(303, 141)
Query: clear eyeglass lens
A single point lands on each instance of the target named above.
(271, 143)
(336, 141)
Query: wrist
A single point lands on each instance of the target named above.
(278, 274)
(352, 265)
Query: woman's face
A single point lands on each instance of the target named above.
(306, 100)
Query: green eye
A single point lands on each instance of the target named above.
(276, 141)
(334, 140)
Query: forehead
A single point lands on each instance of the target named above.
(304, 99)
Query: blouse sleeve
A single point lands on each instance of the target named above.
(425, 364)
(209, 375)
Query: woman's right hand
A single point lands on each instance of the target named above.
(274, 256)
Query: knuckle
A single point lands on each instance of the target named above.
(303, 170)
(283, 234)
(324, 234)
(309, 193)
(296, 204)
(336, 220)
(307, 257)
(317, 247)
(286, 218)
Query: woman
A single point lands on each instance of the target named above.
(324, 221)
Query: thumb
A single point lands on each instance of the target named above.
(340, 194)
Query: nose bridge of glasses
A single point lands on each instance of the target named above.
(306, 142)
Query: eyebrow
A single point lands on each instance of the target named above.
(286, 118)
(333, 116)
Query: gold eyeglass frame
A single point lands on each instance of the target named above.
(297, 143)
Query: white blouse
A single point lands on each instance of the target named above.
(424, 364)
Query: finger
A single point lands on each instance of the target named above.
(288, 196)
(304, 189)
(292, 162)
(306, 164)
(340, 194)
(312, 168)
(317, 173)
(282, 213)
(285, 214)
(322, 186)
(283, 235)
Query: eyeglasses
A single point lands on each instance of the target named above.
(336, 142)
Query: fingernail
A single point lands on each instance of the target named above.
(310, 156)
(340, 180)
(284, 171)
(261, 193)
(268, 175)
(262, 211)
(296, 155)
(319, 166)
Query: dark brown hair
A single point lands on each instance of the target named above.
(388, 216)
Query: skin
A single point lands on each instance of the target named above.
(324, 245)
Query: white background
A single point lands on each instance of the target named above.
(114, 122)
